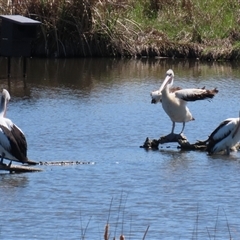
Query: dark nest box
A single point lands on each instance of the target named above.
(17, 33)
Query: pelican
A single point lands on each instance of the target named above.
(174, 100)
(13, 144)
(224, 137)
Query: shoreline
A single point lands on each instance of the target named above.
(153, 28)
(156, 50)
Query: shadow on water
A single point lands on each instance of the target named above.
(8, 181)
(223, 157)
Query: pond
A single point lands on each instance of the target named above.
(99, 111)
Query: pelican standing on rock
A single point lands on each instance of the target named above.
(224, 137)
(13, 144)
(174, 101)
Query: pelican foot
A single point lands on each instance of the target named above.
(182, 136)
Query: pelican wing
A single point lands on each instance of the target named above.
(157, 95)
(224, 129)
(13, 139)
(193, 94)
(4, 141)
(20, 139)
(223, 135)
(174, 89)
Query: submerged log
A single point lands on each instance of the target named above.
(184, 144)
(172, 137)
(199, 145)
(63, 163)
(179, 138)
(150, 144)
(18, 168)
(26, 168)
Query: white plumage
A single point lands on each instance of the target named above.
(224, 137)
(174, 100)
(13, 144)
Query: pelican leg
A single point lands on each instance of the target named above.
(227, 150)
(173, 126)
(2, 156)
(182, 128)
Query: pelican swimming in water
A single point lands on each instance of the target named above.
(13, 144)
(174, 100)
(224, 137)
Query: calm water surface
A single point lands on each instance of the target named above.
(99, 111)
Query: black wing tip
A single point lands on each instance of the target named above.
(211, 93)
(31, 162)
(215, 91)
(210, 147)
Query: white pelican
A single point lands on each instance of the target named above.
(224, 137)
(174, 100)
(13, 144)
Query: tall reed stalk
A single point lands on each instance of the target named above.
(175, 28)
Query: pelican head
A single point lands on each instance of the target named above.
(4, 101)
(168, 81)
(6, 95)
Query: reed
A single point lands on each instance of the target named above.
(173, 28)
(79, 27)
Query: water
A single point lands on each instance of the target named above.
(99, 111)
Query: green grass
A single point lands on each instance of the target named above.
(133, 28)
(210, 19)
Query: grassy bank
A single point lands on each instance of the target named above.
(163, 28)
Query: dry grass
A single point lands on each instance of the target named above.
(167, 28)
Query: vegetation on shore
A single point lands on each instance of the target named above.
(127, 28)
